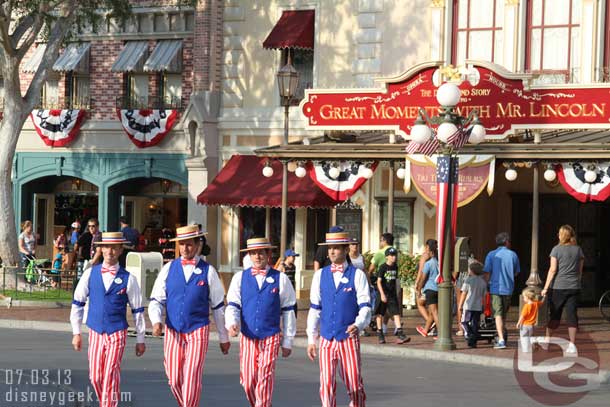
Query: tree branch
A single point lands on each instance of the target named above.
(24, 25)
(31, 37)
(5, 38)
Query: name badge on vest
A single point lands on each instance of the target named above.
(197, 271)
(344, 280)
(118, 280)
(270, 280)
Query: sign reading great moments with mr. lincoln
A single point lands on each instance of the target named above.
(502, 98)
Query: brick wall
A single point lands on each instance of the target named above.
(105, 85)
(201, 73)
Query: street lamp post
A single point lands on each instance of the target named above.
(287, 80)
(444, 134)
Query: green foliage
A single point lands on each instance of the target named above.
(407, 266)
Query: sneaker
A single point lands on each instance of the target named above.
(542, 342)
(422, 331)
(433, 332)
(381, 337)
(571, 351)
(500, 345)
(365, 333)
(402, 338)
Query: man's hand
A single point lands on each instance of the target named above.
(224, 347)
(384, 299)
(352, 330)
(286, 352)
(157, 329)
(77, 342)
(311, 352)
(140, 349)
(233, 330)
(543, 292)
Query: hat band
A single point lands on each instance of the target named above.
(256, 245)
(112, 240)
(338, 240)
(188, 234)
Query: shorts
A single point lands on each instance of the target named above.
(500, 305)
(391, 307)
(560, 299)
(431, 297)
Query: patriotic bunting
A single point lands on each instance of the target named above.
(345, 185)
(572, 178)
(57, 127)
(147, 127)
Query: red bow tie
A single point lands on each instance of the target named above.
(111, 270)
(336, 268)
(191, 262)
(262, 272)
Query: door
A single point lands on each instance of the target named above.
(43, 217)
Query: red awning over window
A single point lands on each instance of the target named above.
(295, 29)
(241, 183)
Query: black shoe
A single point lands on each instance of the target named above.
(381, 337)
(402, 338)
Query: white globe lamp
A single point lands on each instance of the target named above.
(268, 171)
(550, 175)
(590, 176)
(400, 173)
(300, 172)
(448, 94)
(477, 135)
(334, 172)
(511, 174)
(445, 130)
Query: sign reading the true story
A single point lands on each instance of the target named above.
(504, 100)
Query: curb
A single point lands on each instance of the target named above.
(40, 304)
(367, 349)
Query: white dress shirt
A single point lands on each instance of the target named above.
(287, 300)
(362, 294)
(134, 296)
(158, 296)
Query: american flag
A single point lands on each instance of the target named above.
(446, 176)
(457, 140)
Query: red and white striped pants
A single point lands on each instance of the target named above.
(257, 368)
(347, 352)
(105, 353)
(184, 357)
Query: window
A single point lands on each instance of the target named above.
(170, 87)
(317, 225)
(478, 30)
(50, 92)
(41, 221)
(252, 222)
(302, 60)
(137, 90)
(553, 34)
(403, 223)
(78, 86)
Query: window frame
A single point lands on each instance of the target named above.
(382, 202)
(528, 41)
(495, 30)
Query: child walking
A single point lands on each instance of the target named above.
(470, 306)
(386, 284)
(528, 318)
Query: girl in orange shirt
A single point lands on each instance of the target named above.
(528, 318)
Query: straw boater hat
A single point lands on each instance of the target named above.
(112, 238)
(339, 238)
(187, 232)
(257, 243)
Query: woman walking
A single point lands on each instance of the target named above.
(27, 243)
(430, 287)
(563, 283)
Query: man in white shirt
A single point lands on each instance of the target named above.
(340, 309)
(187, 287)
(258, 299)
(109, 288)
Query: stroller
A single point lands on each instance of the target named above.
(487, 326)
(33, 273)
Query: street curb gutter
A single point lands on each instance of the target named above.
(367, 349)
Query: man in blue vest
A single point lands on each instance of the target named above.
(187, 287)
(258, 298)
(109, 289)
(340, 309)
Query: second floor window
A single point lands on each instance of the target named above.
(78, 88)
(137, 90)
(170, 88)
(477, 33)
(50, 92)
(553, 37)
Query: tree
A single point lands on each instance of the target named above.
(21, 23)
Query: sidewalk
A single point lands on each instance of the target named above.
(593, 339)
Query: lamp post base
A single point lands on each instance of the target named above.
(445, 339)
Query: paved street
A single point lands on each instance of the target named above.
(389, 382)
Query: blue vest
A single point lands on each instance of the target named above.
(107, 309)
(187, 305)
(260, 309)
(339, 305)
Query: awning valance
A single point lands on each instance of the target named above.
(132, 57)
(166, 57)
(31, 66)
(241, 183)
(295, 29)
(75, 58)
